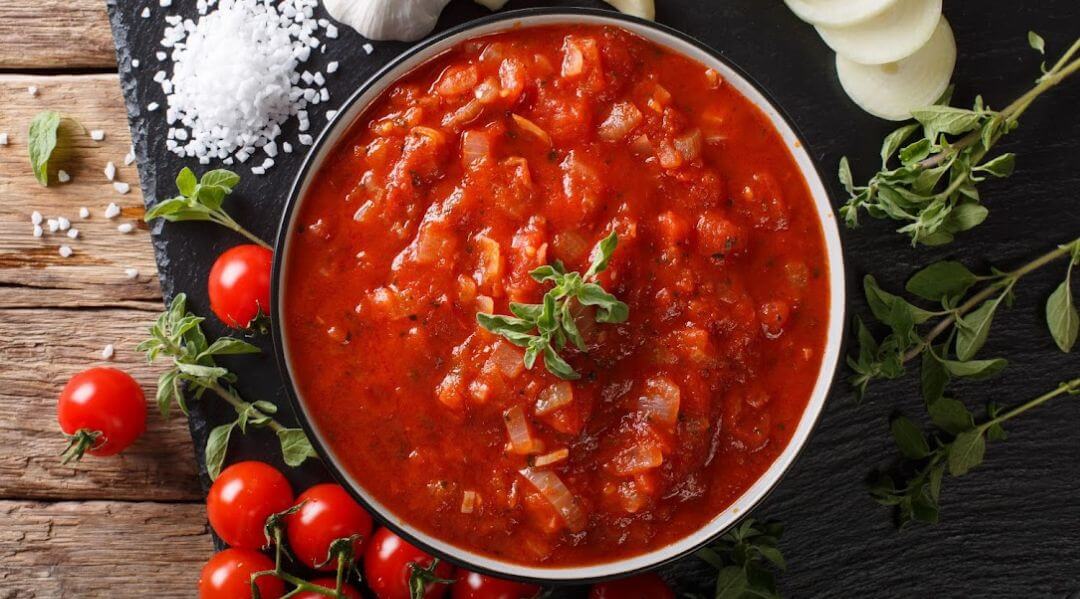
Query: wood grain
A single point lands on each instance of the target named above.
(101, 549)
(39, 350)
(51, 34)
(95, 274)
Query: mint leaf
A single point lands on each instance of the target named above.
(41, 141)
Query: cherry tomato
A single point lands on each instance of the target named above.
(240, 285)
(472, 585)
(330, 583)
(387, 570)
(242, 498)
(328, 513)
(228, 576)
(103, 410)
(642, 586)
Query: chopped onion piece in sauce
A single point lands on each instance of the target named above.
(660, 402)
(469, 502)
(553, 457)
(531, 128)
(506, 359)
(521, 437)
(639, 458)
(554, 397)
(623, 119)
(552, 488)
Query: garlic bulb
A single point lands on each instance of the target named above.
(643, 9)
(403, 20)
(492, 4)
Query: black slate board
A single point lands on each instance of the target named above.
(1009, 529)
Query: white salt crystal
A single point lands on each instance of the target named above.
(97, 134)
(319, 79)
(305, 139)
(107, 352)
(65, 251)
(258, 170)
(331, 32)
(112, 210)
(330, 114)
(32, 90)
(62, 223)
(152, 106)
(332, 67)
(3, 139)
(35, 217)
(160, 55)
(125, 227)
(129, 157)
(369, 48)
(53, 225)
(121, 188)
(62, 176)
(135, 63)
(73, 233)
(324, 94)
(165, 3)
(131, 273)
(38, 232)
(145, 13)
(110, 171)
(287, 147)
(84, 212)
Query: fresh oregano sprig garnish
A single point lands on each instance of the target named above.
(177, 335)
(742, 557)
(964, 320)
(553, 319)
(934, 189)
(201, 200)
(913, 487)
(1061, 314)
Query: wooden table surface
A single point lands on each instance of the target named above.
(130, 526)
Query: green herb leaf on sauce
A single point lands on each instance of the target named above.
(177, 336)
(544, 329)
(933, 191)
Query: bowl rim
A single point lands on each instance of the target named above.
(836, 332)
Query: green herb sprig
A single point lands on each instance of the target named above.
(201, 200)
(41, 141)
(965, 322)
(177, 334)
(957, 446)
(742, 557)
(553, 319)
(934, 190)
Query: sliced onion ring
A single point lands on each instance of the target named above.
(891, 91)
(838, 13)
(891, 36)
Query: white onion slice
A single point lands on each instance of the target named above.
(517, 429)
(552, 488)
(891, 91)
(838, 13)
(554, 397)
(643, 9)
(660, 402)
(892, 35)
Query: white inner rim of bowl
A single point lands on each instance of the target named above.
(837, 300)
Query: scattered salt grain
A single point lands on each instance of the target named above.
(84, 212)
(160, 56)
(62, 223)
(3, 139)
(38, 232)
(97, 134)
(305, 139)
(125, 227)
(332, 67)
(110, 171)
(129, 157)
(258, 170)
(331, 32)
(165, 3)
(330, 114)
(369, 48)
(35, 217)
(287, 147)
(135, 63)
(121, 188)
(32, 90)
(152, 106)
(145, 13)
(53, 225)
(318, 78)
(62, 176)
(131, 273)
(107, 352)
(73, 233)
(65, 251)
(112, 210)
(324, 94)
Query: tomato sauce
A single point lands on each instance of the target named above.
(507, 153)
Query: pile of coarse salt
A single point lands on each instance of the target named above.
(235, 79)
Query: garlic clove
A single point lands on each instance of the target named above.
(402, 20)
(643, 9)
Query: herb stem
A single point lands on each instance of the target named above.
(1071, 387)
(1007, 281)
(239, 404)
(226, 221)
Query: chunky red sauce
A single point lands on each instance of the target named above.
(502, 155)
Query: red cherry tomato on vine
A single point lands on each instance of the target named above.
(347, 591)
(327, 513)
(242, 498)
(472, 585)
(228, 576)
(642, 586)
(387, 567)
(103, 410)
(240, 285)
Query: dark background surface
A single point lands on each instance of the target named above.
(1011, 528)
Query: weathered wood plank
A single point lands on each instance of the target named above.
(101, 549)
(55, 34)
(39, 350)
(95, 274)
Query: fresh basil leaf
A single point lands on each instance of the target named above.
(295, 446)
(186, 182)
(601, 254)
(975, 369)
(966, 452)
(217, 445)
(893, 141)
(909, 438)
(941, 280)
(41, 141)
(1061, 315)
(950, 415)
